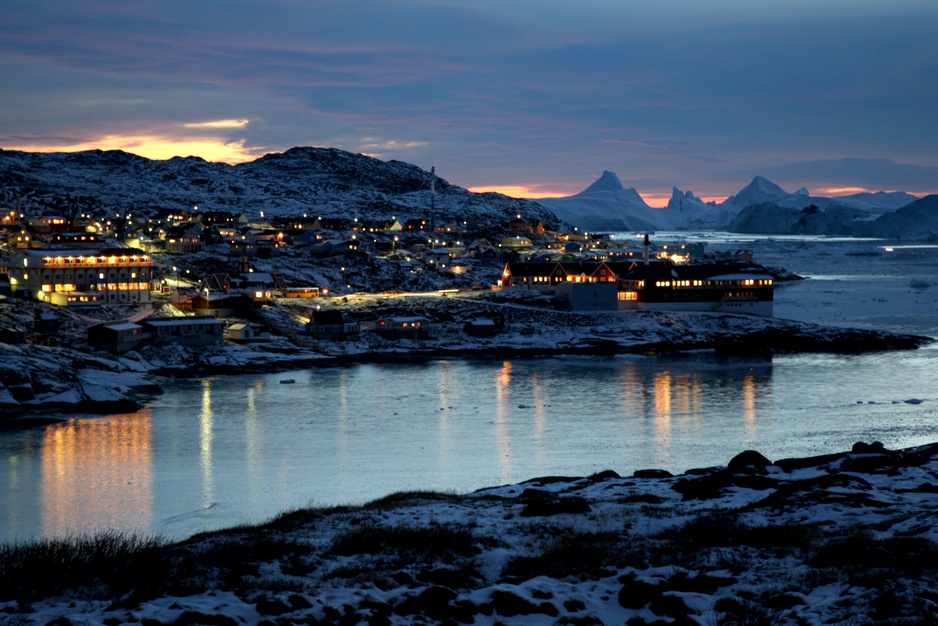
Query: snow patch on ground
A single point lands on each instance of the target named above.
(842, 538)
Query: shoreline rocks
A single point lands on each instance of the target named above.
(827, 539)
(50, 380)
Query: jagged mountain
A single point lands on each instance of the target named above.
(685, 210)
(762, 190)
(607, 205)
(316, 181)
(760, 206)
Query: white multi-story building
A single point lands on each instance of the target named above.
(82, 277)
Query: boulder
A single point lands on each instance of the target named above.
(748, 459)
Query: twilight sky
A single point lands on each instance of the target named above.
(528, 97)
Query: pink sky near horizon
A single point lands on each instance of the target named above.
(217, 149)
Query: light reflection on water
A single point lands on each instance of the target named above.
(95, 473)
(223, 451)
(218, 452)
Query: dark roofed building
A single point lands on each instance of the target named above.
(330, 324)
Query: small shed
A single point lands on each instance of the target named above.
(484, 326)
(243, 333)
(331, 325)
(46, 324)
(116, 337)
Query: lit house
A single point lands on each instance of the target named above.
(9, 217)
(77, 239)
(658, 286)
(22, 239)
(50, 224)
(403, 327)
(82, 277)
(546, 275)
(720, 287)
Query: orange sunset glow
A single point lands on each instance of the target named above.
(534, 191)
(161, 147)
(522, 191)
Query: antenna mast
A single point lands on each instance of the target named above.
(432, 199)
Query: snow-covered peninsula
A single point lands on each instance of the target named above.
(73, 378)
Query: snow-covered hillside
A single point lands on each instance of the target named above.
(317, 181)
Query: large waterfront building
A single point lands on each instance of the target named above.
(82, 277)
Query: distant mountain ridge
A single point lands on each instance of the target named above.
(317, 181)
(759, 207)
(335, 183)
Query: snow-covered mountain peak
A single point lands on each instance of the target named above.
(607, 205)
(609, 186)
(607, 182)
(677, 195)
(760, 190)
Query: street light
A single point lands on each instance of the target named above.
(394, 244)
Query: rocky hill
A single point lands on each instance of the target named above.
(316, 181)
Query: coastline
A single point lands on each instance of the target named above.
(45, 381)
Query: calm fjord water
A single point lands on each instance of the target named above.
(227, 450)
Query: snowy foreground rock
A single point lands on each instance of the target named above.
(73, 378)
(839, 539)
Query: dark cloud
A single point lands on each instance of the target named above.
(507, 93)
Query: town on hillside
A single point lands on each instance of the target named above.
(197, 277)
